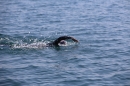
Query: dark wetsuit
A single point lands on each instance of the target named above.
(57, 41)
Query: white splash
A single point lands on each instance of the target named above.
(32, 45)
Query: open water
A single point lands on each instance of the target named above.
(101, 58)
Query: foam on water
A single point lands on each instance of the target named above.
(33, 45)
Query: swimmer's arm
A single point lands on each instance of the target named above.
(75, 40)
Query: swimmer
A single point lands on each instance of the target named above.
(61, 40)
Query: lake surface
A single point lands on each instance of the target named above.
(101, 58)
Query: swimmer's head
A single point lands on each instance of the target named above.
(63, 42)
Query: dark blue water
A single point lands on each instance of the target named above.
(102, 58)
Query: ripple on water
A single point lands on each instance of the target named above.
(101, 58)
